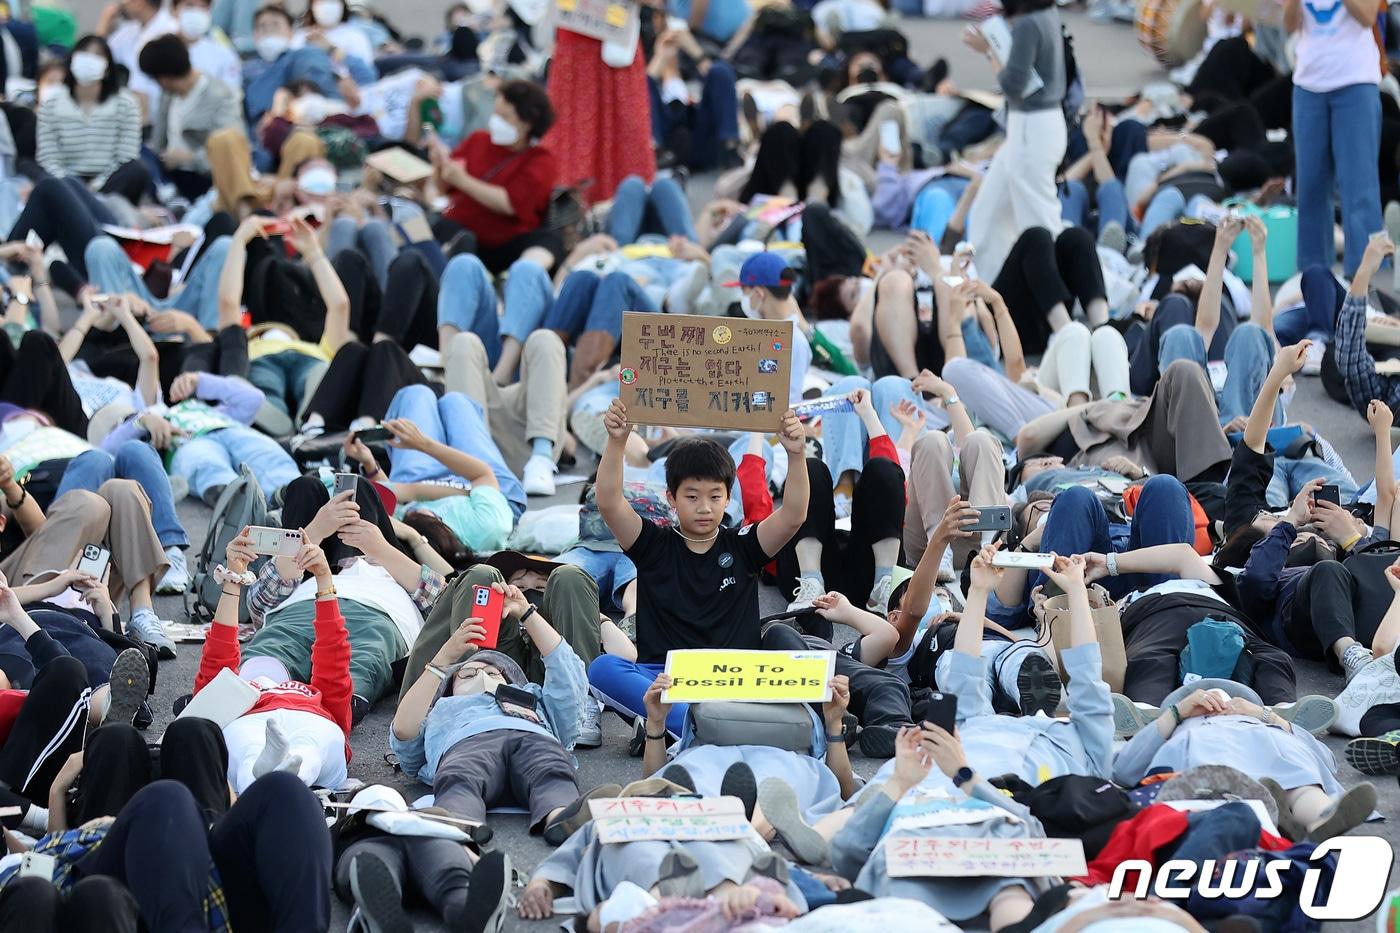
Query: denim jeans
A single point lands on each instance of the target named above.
(282, 377)
(622, 685)
(844, 438)
(460, 423)
(213, 459)
(1249, 354)
(373, 240)
(1110, 200)
(467, 301)
(1317, 318)
(1336, 138)
(1169, 205)
(588, 302)
(611, 570)
(714, 121)
(935, 204)
(135, 460)
(636, 210)
(110, 270)
(1291, 475)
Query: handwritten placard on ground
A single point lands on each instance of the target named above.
(935, 857)
(703, 674)
(695, 371)
(680, 819)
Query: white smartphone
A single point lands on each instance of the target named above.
(346, 482)
(94, 560)
(277, 542)
(38, 865)
(1022, 560)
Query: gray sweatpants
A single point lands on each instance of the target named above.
(505, 767)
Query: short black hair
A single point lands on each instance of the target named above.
(531, 105)
(165, 57)
(780, 292)
(111, 82)
(275, 9)
(698, 458)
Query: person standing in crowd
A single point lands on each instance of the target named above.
(1018, 191)
(1336, 125)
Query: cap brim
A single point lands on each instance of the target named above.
(735, 284)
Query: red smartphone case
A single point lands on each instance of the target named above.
(488, 605)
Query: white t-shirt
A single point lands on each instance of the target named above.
(126, 43)
(218, 62)
(1334, 50)
(345, 37)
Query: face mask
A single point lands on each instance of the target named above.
(471, 686)
(867, 76)
(746, 304)
(194, 22)
(87, 68)
(1310, 552)
(461, 19)
(503, 132)
(49, 91)
(327, 12)
(270, 48)
(319, 182)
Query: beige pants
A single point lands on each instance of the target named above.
(981, 481)
(231, 166)
(533, 407)
(117, 516)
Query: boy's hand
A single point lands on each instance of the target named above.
(1068, 572)
(958, 514)
(833, 606)
(794, 439)
(615, 421)
(1290, 359)
(656, 710)
(834, 711)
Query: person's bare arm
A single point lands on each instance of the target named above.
(1379, 416)
(408, 436)
(1363, 11)
(861, 331)
(333, 295)
(622, 520)
(1261, 303)
(1293, 15)
(1180, 560)
(147, 357)
(777, 529)
(1388, 632)
(72, 341)
(919, 593)
(1287, 360)
(1013, 358)
(1208, 305)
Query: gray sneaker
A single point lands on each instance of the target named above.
(1130, 718)
(144, 625)
(1355, 658)
(590, 723)
(1311, 713)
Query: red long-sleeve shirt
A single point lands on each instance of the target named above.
(329, 692)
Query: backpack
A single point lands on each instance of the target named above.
(1214, 648)
(241, 503)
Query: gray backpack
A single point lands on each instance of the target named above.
(241, 503)
(780, 725)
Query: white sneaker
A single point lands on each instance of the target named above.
(144, 625)
(880, 595)
(590, 723)
(1374, 684)
(1312, 358)
(539, 476)
(177, 578)
(808, 589)
(1354, 659)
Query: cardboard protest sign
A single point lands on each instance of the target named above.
(679, 819)
(695, 371)
(938, 857)
(617, 21)
(400, 165)
(706, 674)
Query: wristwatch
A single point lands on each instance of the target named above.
(840, 736)
(962, 777)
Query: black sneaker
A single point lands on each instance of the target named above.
(144, 716)
(377, 895)
(878, 741)
(677, 774)
(359, 709)
(488, 895)
(180, 703)
(130, 679)
(1038, 685)
(576, 814)
(638, 743)
(740, 782)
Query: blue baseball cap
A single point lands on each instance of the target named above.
(763, 270)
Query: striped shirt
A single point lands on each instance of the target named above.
(91, 145)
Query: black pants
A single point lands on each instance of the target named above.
(1154, 647)
(62, 211)
(437, 870)
(504, 766)
(1231, 70)
(1324, 610)
(272, 850)
(879, 699)
(409, 317)
(35, 376)
(1173, 309)
(50, 727)
(1042, 271)
(93, 905)
(280, 290)
(361, 381)
(225, 355)
(118, 763)
(832, 247)
(130, 180)
(877, 513)
(304, 496)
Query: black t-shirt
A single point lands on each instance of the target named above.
(689, 600)
(1249, 477)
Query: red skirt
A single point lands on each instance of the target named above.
(602, 127)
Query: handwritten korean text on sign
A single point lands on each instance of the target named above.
(634, 819)
(933, 856)
(696, 371)
(605, 20)
(702, 674)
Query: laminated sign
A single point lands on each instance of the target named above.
(676, 819)
(696, 371)
(708, 674)
(617, 21)
(957, 856)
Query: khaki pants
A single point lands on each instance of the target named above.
(981, 481)
(533, 407)
(117, 516)
(231, 166)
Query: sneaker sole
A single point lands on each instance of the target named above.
(1312, 713)
(1128, 718)
(1352, 810)
(576, 814)
(378, 897)
(680, 876)
(1373, 756)
(677, 774)
(1038, 686)
(130, 680)
(497, 918)
(739, 781)
(779, 804)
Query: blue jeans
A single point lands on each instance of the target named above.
(135, 460)
(636, 210)
(844, 438)
(1291, 475)
(373, 240)
(1249, 354)
(611, 570)
(1336, 139)
(1112, 203)
(110, 270)
(282, 377)
(213, 459)
(1169, 205)
(467, 301)
(1317, 319)
(624, 683)
(587, 303)
(458, 422)
(713, 122)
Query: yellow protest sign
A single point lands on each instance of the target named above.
(708, 675)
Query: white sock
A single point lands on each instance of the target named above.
(274, 752)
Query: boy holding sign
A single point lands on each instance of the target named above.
(697, 583)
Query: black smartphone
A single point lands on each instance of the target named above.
(991, 518)
(942, 711)
(373, 435)
(1328, 493)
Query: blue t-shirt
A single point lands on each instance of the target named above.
(722, 19)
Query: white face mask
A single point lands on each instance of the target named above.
(194, 22)
(270, 48)
(327, 12)
(49, 91)
(746, 305)
(503, 132)
(87, 67)
(318, 181)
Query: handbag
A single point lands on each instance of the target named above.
(1107, 629)
(1367, 566)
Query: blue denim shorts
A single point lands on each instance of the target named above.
(611, 570)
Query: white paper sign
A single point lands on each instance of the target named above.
(635, 819)
(938, 857)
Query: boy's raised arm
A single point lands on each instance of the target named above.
(625, 524)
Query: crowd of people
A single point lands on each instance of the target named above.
(360, 294)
